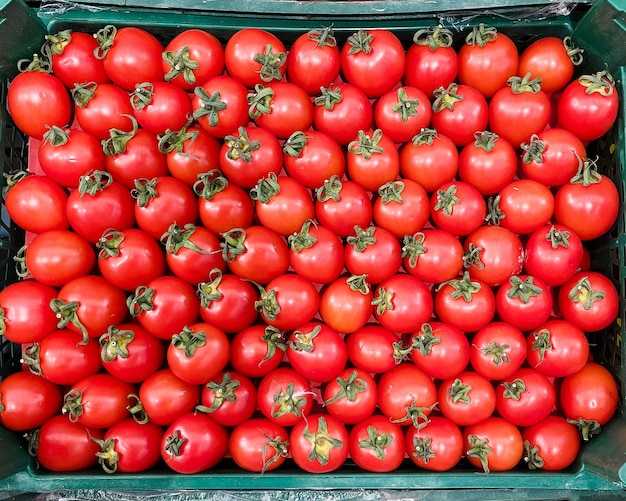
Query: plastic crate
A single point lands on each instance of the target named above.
(599, 472)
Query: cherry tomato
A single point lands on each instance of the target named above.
(377, 445)
(437, 446)
(432, 255)
(497, 350)
(259, 445)
(352, 396)
(319, 444)
(493, 445)
(550, 445)
(467, 399)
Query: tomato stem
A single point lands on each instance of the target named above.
(532, 457)
(601, 82)
(416, 414)
(575, 53)
(514, 389)
(587, 428)
(56, 136)
(460, 392)
(422, 449)
(523, 289)
(109, 243)
(362, 239)
(446, 200)
(280, 450)
(266, 189)
(295, 143)
(542, 343)
(188, 341)
(463, 287)
(233, 244)
(142, 96)
(378, 442)
(583, 293)
(240, 147)
(260, 101)
(32, 438)
(471, 258)
(519, 85)
(391, 192)
(330, 190)
(304, 340)
(413, 247)
(115, 343)
(30, 358)
(425, 341)
(405, 107)
(67, 313)
(174, 443)
(481, 36)
(273, 338)
(533, 151)
(181, 63)
(177, 238)
(210, 184)
(328, 97)
(361, 41)
(72, 404)
(223, 391)
(144, 191)
(118, 139)
(494, 213)
(383, 301)
(479, 448)
(286, 402)
(136, 410)
(321, 442)
(485, 140)
(107, 456)
(268, 304)
(210, 105)
(208, 292)
(271, 64)
(140, 301)
(425, 136)
(105, 38)
(172, 141)
(94, 182)
(323, 37)
(349, 388)
(302, 240)
(366, 145)
(39, 63)
(497, 352)
(359, 283)
(434, 37)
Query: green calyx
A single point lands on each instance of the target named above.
(460, 392)
(328, 97)
(424, 137)
(189, 341)
(142, 96)
(520, 85)
(295, 143)
(208, 292)
(222, 391)
(140, 301)
(144, 191)
(118, 139)
(584, 294)
(541, 343)
(56, 136)
(497, 352)
(303, 341)
(575, 53)
(362, 239)
(434, 37)
(479, 448)
(405, 107)
(323, 37)
(181, 63)
(348, 388)
(361, 41)
(358, 283)
(445, 99)
(446, 200)
(391, 192)
(422, 449)
(485, 140)
(107, 456)
(273, 338)
(425, 340)
(366, 144)
(267, 305)
(601, 82)
(321, 442)
(177, 238)
(587, 173)
(471, 258)
(175, 140)
(271, 63)
(109, 243)
(67, 313)
(416, 415)
(114, 343)
(481, 35)
(514, 389)
(531, 456)
(523, 289)
(260, 101)
(266, 189)
(378, 442)
(463, 287)
(210, 184)
(533, 151)
(240, 147)
(287, 402)
(210, 106)
(303, 240)
(413, 247)
(383, 301)
(94, 182)
(233, 244)
(330, 190)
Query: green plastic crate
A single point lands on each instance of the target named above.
(599, 472)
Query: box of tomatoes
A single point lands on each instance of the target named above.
(307, 251)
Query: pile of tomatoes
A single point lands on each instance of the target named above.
(365, 249)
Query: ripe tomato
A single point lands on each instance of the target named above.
(431, 61)
(457, 207)
(522, 206)
(58, 256)
(319, 444)
(589, 397)
(498, 350)
(257, 350)
(229, 398)
(346, 303)
(402, 207)
(254, 56)
(550, 445)
(553, 254)
(430, 158)
(283, 204)
(317, 352)
(130, 352)
(372, 160)
(37, 204)
(493, 254)
(25, 314)
(165, 397)
(27, 401)
(406, 395)
(130, 55)
(493, 445)
(191, 58)
(432, 255)
(467, 399)
(259, 445)
(374, 252)
(164, 306)
(284, 396)
(341, 205)
(288, 302)
(352, 396)
(37, 100)
(458, 112)
(440, 350)
(227, 302)
(403, 303)
(102, 107)
(341, 111)
(244, 250)
(402, 113)
(437, 446)
(589, 300)
(64, 446)
(130, 258)
(198, 353)
(374, 349)
(316, 253)
(487, 60)
(129, 447)
(377, 445)
(524, 301)
(194, 443)
(98, 401)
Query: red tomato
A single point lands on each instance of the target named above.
(493, 445)
(406, 395)
(402, 303)
(58, 256)
(590, 397)
(244, 250)
(130, 55)
(467, 399)
(194, 443)
(551, 445)
(525, 398)
(373, 60)
(431, 61)
(229, 398)
(283, 204)
(227, 302)
(346, 303)
(164, 306)
(130, 258)
(131, 353)
(374, 252)
(254, 56)
(25, 314)
(191, 58)
(319, 444)
(458, 112)
(130, 447)
(402, 113)
(458, 208)
(102, 107)
(487, 60)
(27, 401)
(98, 401)
(437, 446)
(198, 353)
(257, 350)
(166, 397)
(374, 349)
(65, 446)
(440, 350)
(284, 396)
(37, 204)
(341, 111)
(497, 350)
(430, 158)
(314, 60)
(372, 160)
(590, 300)
(524, 301)
(288, 301)
(433, 255)
(352, 396)
(402, 207)
(259, 445)
(377, 445)
(522, 206)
